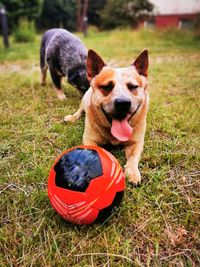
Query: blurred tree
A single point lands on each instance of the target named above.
(94, 10)
(72, 13)
(82, 10)
(18, 9)
(4, 25)
(124, 12)
(58, 13)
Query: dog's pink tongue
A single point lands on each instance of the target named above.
(121, 129)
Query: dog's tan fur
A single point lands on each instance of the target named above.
(97, 127)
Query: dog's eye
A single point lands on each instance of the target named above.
(107, 87)
(132, 87)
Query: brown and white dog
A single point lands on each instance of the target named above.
(116, 106)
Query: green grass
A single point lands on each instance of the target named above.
(158, 222)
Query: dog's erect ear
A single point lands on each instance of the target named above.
(141, 63)
(94, 64)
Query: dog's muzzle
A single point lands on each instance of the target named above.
(111, 116)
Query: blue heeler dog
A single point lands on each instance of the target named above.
(65, 56)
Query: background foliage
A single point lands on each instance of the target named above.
(104, 14)
(124, 12)
(25, 32)
(59, 13)
(18, 9)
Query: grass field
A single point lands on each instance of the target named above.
(158, 222)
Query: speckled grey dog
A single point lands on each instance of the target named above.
(65, 56)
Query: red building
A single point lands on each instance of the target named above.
(174, 13)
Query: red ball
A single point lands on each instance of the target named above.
(86, 184)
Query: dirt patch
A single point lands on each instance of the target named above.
(168, 59)
(16, 67)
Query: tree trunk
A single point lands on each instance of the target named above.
(85, 9)
(78, 18)
(82, 8)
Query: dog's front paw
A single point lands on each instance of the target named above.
(69, 118)
(133, 175)
(42, 83)
(61, 96)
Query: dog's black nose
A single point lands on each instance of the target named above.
(122, 105)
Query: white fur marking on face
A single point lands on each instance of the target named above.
(119, 85)
(122, 79)
(120, 82)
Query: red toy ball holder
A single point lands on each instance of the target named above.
(85, 184)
